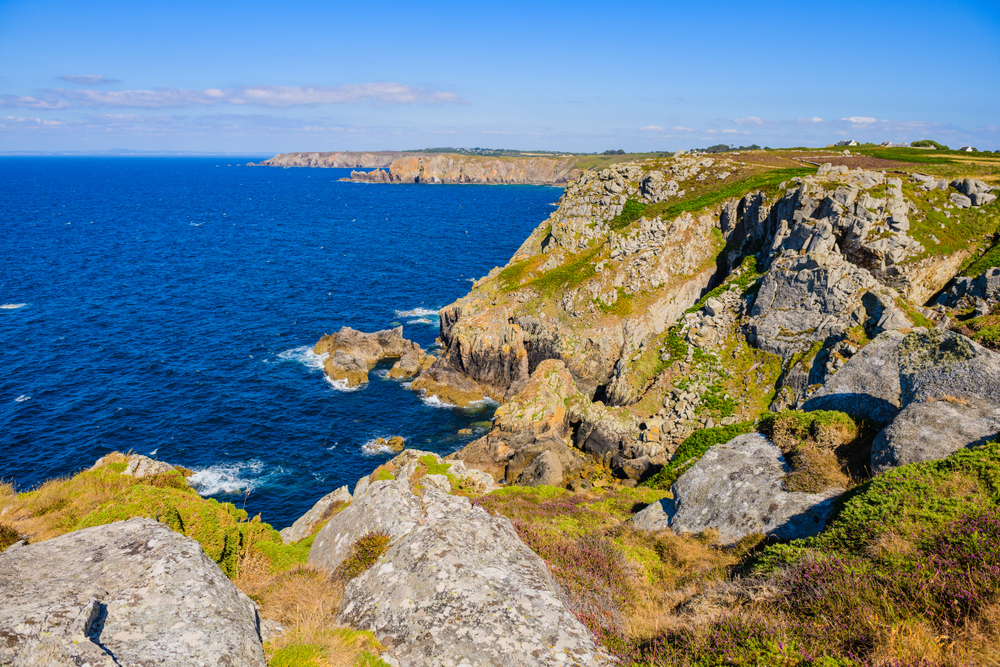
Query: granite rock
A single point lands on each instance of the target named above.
(304, 525)
(736, 489)
(127, 593)
(460, 588)
(932, 430)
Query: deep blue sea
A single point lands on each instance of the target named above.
(168, 306)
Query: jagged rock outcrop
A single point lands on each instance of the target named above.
(350, 354)
(471, 169)
(736, 489)
(534, 421)
(321, 511)
(337, 160)
(985, 286)
(127, 593)
(373, 500)
(139, 466)
(457, 586)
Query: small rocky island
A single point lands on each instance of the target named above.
(748, 415)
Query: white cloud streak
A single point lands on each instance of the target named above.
(749, 120)
(263, 96)
(860, 120)
(651, 128)
(89, 79)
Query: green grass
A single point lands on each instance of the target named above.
(912, 499)
(631, 211)
(988, 260)
(767, 181)
(364, 553)
(746, 279)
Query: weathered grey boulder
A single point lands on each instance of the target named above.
(127, 593)
(934, 363)
(867, 385)
(462, 589)
(960, 201)
(304, 525)
(544, 470)
(383, 505)
(934, 430)
(736, 489)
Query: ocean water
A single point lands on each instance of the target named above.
(168, 306)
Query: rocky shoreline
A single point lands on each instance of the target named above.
(705, 409)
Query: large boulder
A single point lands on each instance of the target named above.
(386, 502)
(934, 363)
(460, 588)
(321, 511)
(934, 430)
(457, 586)
(736, 488)
(127, 593)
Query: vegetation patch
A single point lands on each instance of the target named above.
(364, 553)
(8, 536)
(825, 449)
(631, 211)
(988, 260)
(767, 181)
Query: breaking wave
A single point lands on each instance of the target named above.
(228, 478)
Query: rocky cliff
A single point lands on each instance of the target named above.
(340, 160)
(472, 169)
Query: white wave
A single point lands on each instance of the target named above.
(417, 312)
(374, 448)
(382, 373)
(486, 400)
(153, 453)
(12, 306)
(227, 478)
(341, 385)
(304, 355)
(22, 398)
(422, 320)
(436, 402)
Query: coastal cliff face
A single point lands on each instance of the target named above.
(336, 160)
(472, 169)
(804, 265)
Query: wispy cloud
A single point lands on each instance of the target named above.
(806, 121)
(680, 128)
(89, 79)
(21, 122)
(731, 131)
(749, 120)
(651, 128)
(264, 96)
(860, 120)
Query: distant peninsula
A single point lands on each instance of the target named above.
(423, 167)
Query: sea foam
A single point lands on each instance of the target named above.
(417, 312)
(227, 478)
(12, 306)
(22, 398)
(304, 355)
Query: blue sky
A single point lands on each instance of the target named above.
(583, 76)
